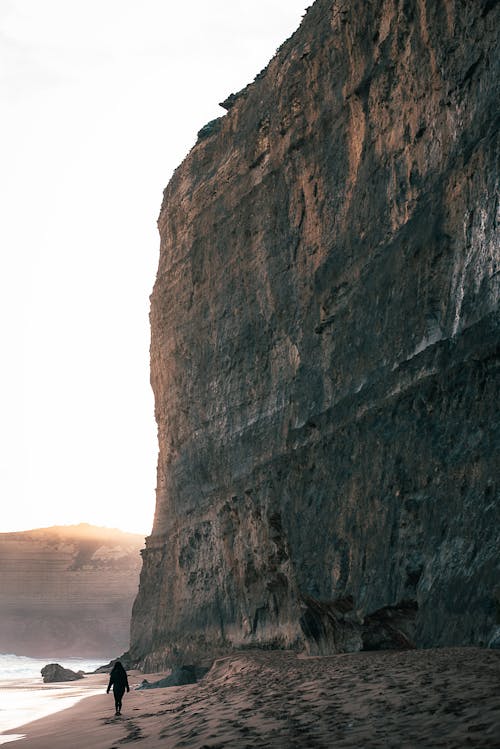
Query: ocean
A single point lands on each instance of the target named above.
(24, 697)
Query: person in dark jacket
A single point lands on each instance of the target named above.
(119, 681)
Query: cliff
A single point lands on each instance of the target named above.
(324, 351)
(67, 591)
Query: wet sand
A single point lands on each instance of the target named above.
(413, 699)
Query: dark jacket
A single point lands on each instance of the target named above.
(118, 679)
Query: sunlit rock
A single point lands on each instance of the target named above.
(324, 351)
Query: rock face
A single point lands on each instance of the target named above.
(67, 591)
(324, 357)
(54, 672)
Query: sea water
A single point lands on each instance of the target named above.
(24, 697)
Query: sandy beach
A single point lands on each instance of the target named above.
(413, 699)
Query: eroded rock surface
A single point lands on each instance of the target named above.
(324, 357)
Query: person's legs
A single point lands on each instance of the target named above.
(118, 700)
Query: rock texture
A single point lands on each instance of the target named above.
(54, 672)
(324, 357)
(67, 591)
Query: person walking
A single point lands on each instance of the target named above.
(119, 681)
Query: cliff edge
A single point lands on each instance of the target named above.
(325, 340)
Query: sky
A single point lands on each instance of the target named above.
(100, 100)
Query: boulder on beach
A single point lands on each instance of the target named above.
(180, 676)
(54, 672)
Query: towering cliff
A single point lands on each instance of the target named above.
(67, 591)
(324, 356)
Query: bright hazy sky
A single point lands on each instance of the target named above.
(99, 101)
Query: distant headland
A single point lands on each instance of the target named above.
(67, 590)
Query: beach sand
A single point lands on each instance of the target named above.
(413, 699)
